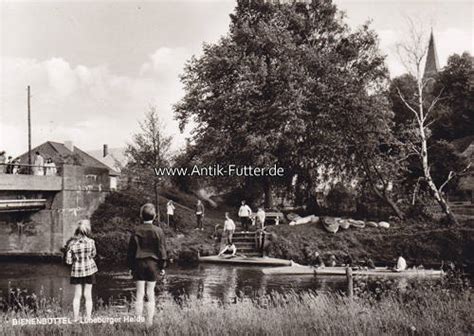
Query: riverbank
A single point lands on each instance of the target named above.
(421, 311)
(426, 242)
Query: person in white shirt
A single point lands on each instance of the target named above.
(199, 215)
(244, 215)
(230, 250)
(170, 214)
(50, 169)
(3, 160)
(261, 218)
(401, 264)
(38, 165)
(16, 167)
(229, 228)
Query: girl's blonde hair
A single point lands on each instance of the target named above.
(83, 228)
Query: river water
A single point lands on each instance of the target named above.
(204, 281)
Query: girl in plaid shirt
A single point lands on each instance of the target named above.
(80, 254)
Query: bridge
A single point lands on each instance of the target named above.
(38, 214)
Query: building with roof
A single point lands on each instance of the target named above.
(67, 153)
(39, 213)
(114, 158)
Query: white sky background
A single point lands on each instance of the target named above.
(96, 67)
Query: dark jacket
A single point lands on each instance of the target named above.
(148, 241)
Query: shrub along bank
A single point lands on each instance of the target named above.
(420, 242)
(116, 218)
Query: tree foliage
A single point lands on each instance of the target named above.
(150, 147)
(289, 85)
(456, 119)
(149, 150)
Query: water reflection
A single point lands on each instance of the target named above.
(205, 282)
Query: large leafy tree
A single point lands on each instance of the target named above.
(290, 85)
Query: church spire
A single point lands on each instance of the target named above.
(432, 64)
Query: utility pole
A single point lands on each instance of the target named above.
(29, 131)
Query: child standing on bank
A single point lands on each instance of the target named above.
(199, 215)
(80, 254)
(229, 228)
(147, 260)
(170, 213)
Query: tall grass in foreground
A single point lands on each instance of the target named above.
(433, 312)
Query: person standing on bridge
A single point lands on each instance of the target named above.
(38, 165)
(50, 169)
(147, 259)
(3, 159)
(80, 254)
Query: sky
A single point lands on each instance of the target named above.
(96, 67)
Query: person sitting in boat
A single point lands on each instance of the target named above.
(332, 261)
(369, 263)
(229, 250)
(317, 261)
(365, 263)
(401, 264)
(348, 261)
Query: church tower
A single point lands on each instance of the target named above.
(432, 64)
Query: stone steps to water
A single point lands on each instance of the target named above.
(244, 242)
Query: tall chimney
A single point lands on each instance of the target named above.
(106, 150)
(69, 145)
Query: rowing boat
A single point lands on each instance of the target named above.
(331, 224)
(243, 260)
(297, 269)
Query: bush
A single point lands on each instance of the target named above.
(112, 245)
(340, 200)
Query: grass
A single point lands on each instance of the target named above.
(433, 312)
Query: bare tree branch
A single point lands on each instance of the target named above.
(453, 174)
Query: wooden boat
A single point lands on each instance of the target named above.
(330, 224)
(384, 225)
(312, 219)
(297, 269)
(243, 260)
(372, 224)
(344, 223)
(357, 223)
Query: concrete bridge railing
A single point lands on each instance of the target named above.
(30, 182)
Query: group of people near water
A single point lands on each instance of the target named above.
(146, 258)
(40, 167)
(245, 215)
